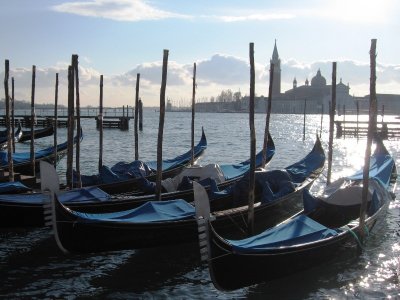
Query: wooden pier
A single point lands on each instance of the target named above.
(112, 117)
(120, 122)
(387, 130)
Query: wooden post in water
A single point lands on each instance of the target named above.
(358, 112)
(12, 115)
(250, 219)
(78, 121)
(55, 121)
(332, 113)
(344, 121)
(371, 132)
(304, 119)
(322, 119)
(9, 137)
(70, 148)
(33, 121)
(100, 118)
(267, 119)
(140, 115)
(136, 117)
(193, 111)
(161, 125)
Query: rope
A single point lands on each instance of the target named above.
(237, 224)
(359, 242)
(355, 236)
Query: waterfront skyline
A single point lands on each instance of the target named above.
(120, 38)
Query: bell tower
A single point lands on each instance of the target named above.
(276, 84)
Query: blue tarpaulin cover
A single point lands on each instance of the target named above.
(380, 168)
(136, 169)
(84, 194)
(13, 187)
(299, 230)
(236, 170)
(34, 198)
(278, 183)
(80, 195)
(152, 211)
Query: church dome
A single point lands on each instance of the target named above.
(318, 80)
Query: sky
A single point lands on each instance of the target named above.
(121, 38)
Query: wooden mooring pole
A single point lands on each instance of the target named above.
(140, 115)
(304, 119)
(268, 116)
(70, 148)
(33, 121)
(55, 121)
(12, 115)
(371, 131)
(332, 112)
(193, 114)
(78, 121)
(100, 120)
(344, 121)
(9, 137)
(136, 116)
(322, 119)
(250, 218)
(358, 113)
(161, 125)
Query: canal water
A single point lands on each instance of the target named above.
(32, 267)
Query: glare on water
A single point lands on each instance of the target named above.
(32, 266)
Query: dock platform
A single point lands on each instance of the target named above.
(387, 130)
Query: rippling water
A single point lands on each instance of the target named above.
(31, 265)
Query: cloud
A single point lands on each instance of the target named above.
(353, 11)
(267, 16)
(225, 70)
(118, 10)
(217, 73)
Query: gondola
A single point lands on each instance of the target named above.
(4, 139)
(21, 208)
(230, 172)
(119, 178)
(22, 162)
(158, 223)
(37, 134)
(328, 224)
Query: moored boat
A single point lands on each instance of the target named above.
(19, 207)
(326, 225)
(21, 160)
(37, 134)
(170, 222)
(4, 139)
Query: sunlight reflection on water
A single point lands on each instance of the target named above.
(33, 268)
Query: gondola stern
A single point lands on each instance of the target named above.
(203, 217)
(50, 183)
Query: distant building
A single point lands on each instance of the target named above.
(315, 96)
(276, 84)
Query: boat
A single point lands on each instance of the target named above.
(4, 139)
(37, 134)
(227, 175)
(22, 163)
(123, 177)
(159, 223)
(328, 224)
(21, 207)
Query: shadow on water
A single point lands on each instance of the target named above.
(151, 270)
(32, 266)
